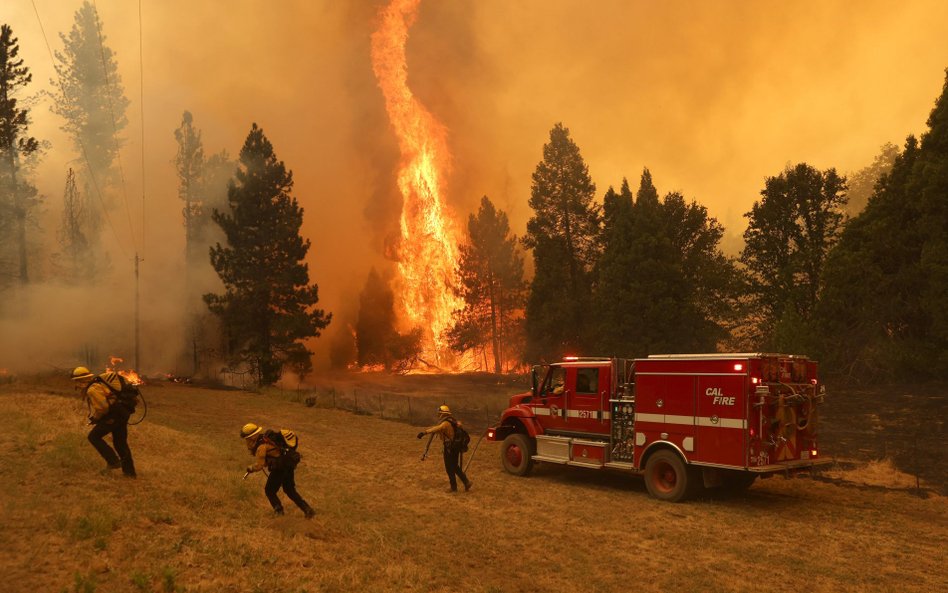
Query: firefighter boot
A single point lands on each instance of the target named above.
(278, 511)
(308, 512)
(467, 484)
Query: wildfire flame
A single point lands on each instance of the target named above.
(427, 253)
(130, 375)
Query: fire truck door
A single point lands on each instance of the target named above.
(550, 407)
(586, 399)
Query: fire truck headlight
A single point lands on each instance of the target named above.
(490, 434)
(813, 452)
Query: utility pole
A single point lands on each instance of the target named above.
(138, 367)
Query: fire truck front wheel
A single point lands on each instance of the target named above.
(666, 476)
(517, 454)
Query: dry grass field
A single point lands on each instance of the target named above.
(384, 523)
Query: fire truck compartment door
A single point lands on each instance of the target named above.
(552, 448)
(721, 419)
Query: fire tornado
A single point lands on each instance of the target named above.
(427, 252)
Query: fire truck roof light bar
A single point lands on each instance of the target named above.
(724, 355)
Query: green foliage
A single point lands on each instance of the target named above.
(268, 307)
(492, 286)
(563, 234)
(790, 231)
(663, 283)
(18, 198)
(168, 581)
(883, 312)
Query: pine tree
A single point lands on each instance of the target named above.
(789, 234)
(563, 235)
(189, 164)
(663, 284)
(90, 97)
(378, 341)
(18, 197)
(375, 327)
(883, 310)
(268, 306)
(616, 269)
(862, 183)
(491, 273)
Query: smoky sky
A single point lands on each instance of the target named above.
(712, 97)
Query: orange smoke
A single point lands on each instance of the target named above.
(427, 252)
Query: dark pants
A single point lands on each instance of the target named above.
(452, 465)
(115, 423)
(284, 478)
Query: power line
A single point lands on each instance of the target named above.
(82, 146)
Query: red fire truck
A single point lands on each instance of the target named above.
(685, 422)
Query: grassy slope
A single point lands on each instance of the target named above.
(384, 523)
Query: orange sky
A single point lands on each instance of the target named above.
(711, 96)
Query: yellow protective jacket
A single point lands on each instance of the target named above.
(265, 455)
(100, 397)
(444, 429)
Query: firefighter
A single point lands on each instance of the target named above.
(108, 415)
(282, 470)
(452, 457)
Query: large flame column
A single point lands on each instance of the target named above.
(427, 253)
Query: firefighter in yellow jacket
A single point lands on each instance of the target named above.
(108, 415)
(282, 470)
(452, 457)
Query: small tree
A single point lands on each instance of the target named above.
(17, 196)
(491, 273)
(268, 307)
(377, 339)
(72, 261)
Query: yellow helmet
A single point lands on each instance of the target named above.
(250, 430)
(444, 410)
(81, 374)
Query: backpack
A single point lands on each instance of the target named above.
(127, 396)
(287, 443)
(461, 439)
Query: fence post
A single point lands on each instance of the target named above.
(381, 414)
(409, 409)
(333, 389)
(355, 396)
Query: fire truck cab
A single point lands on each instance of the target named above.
(684, 422)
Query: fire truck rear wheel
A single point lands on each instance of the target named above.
(517, 454)
(666, 476)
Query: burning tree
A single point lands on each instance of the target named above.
(268, 307)
(492, 287)
(17, 196)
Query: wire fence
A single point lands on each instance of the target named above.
(399, 407)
